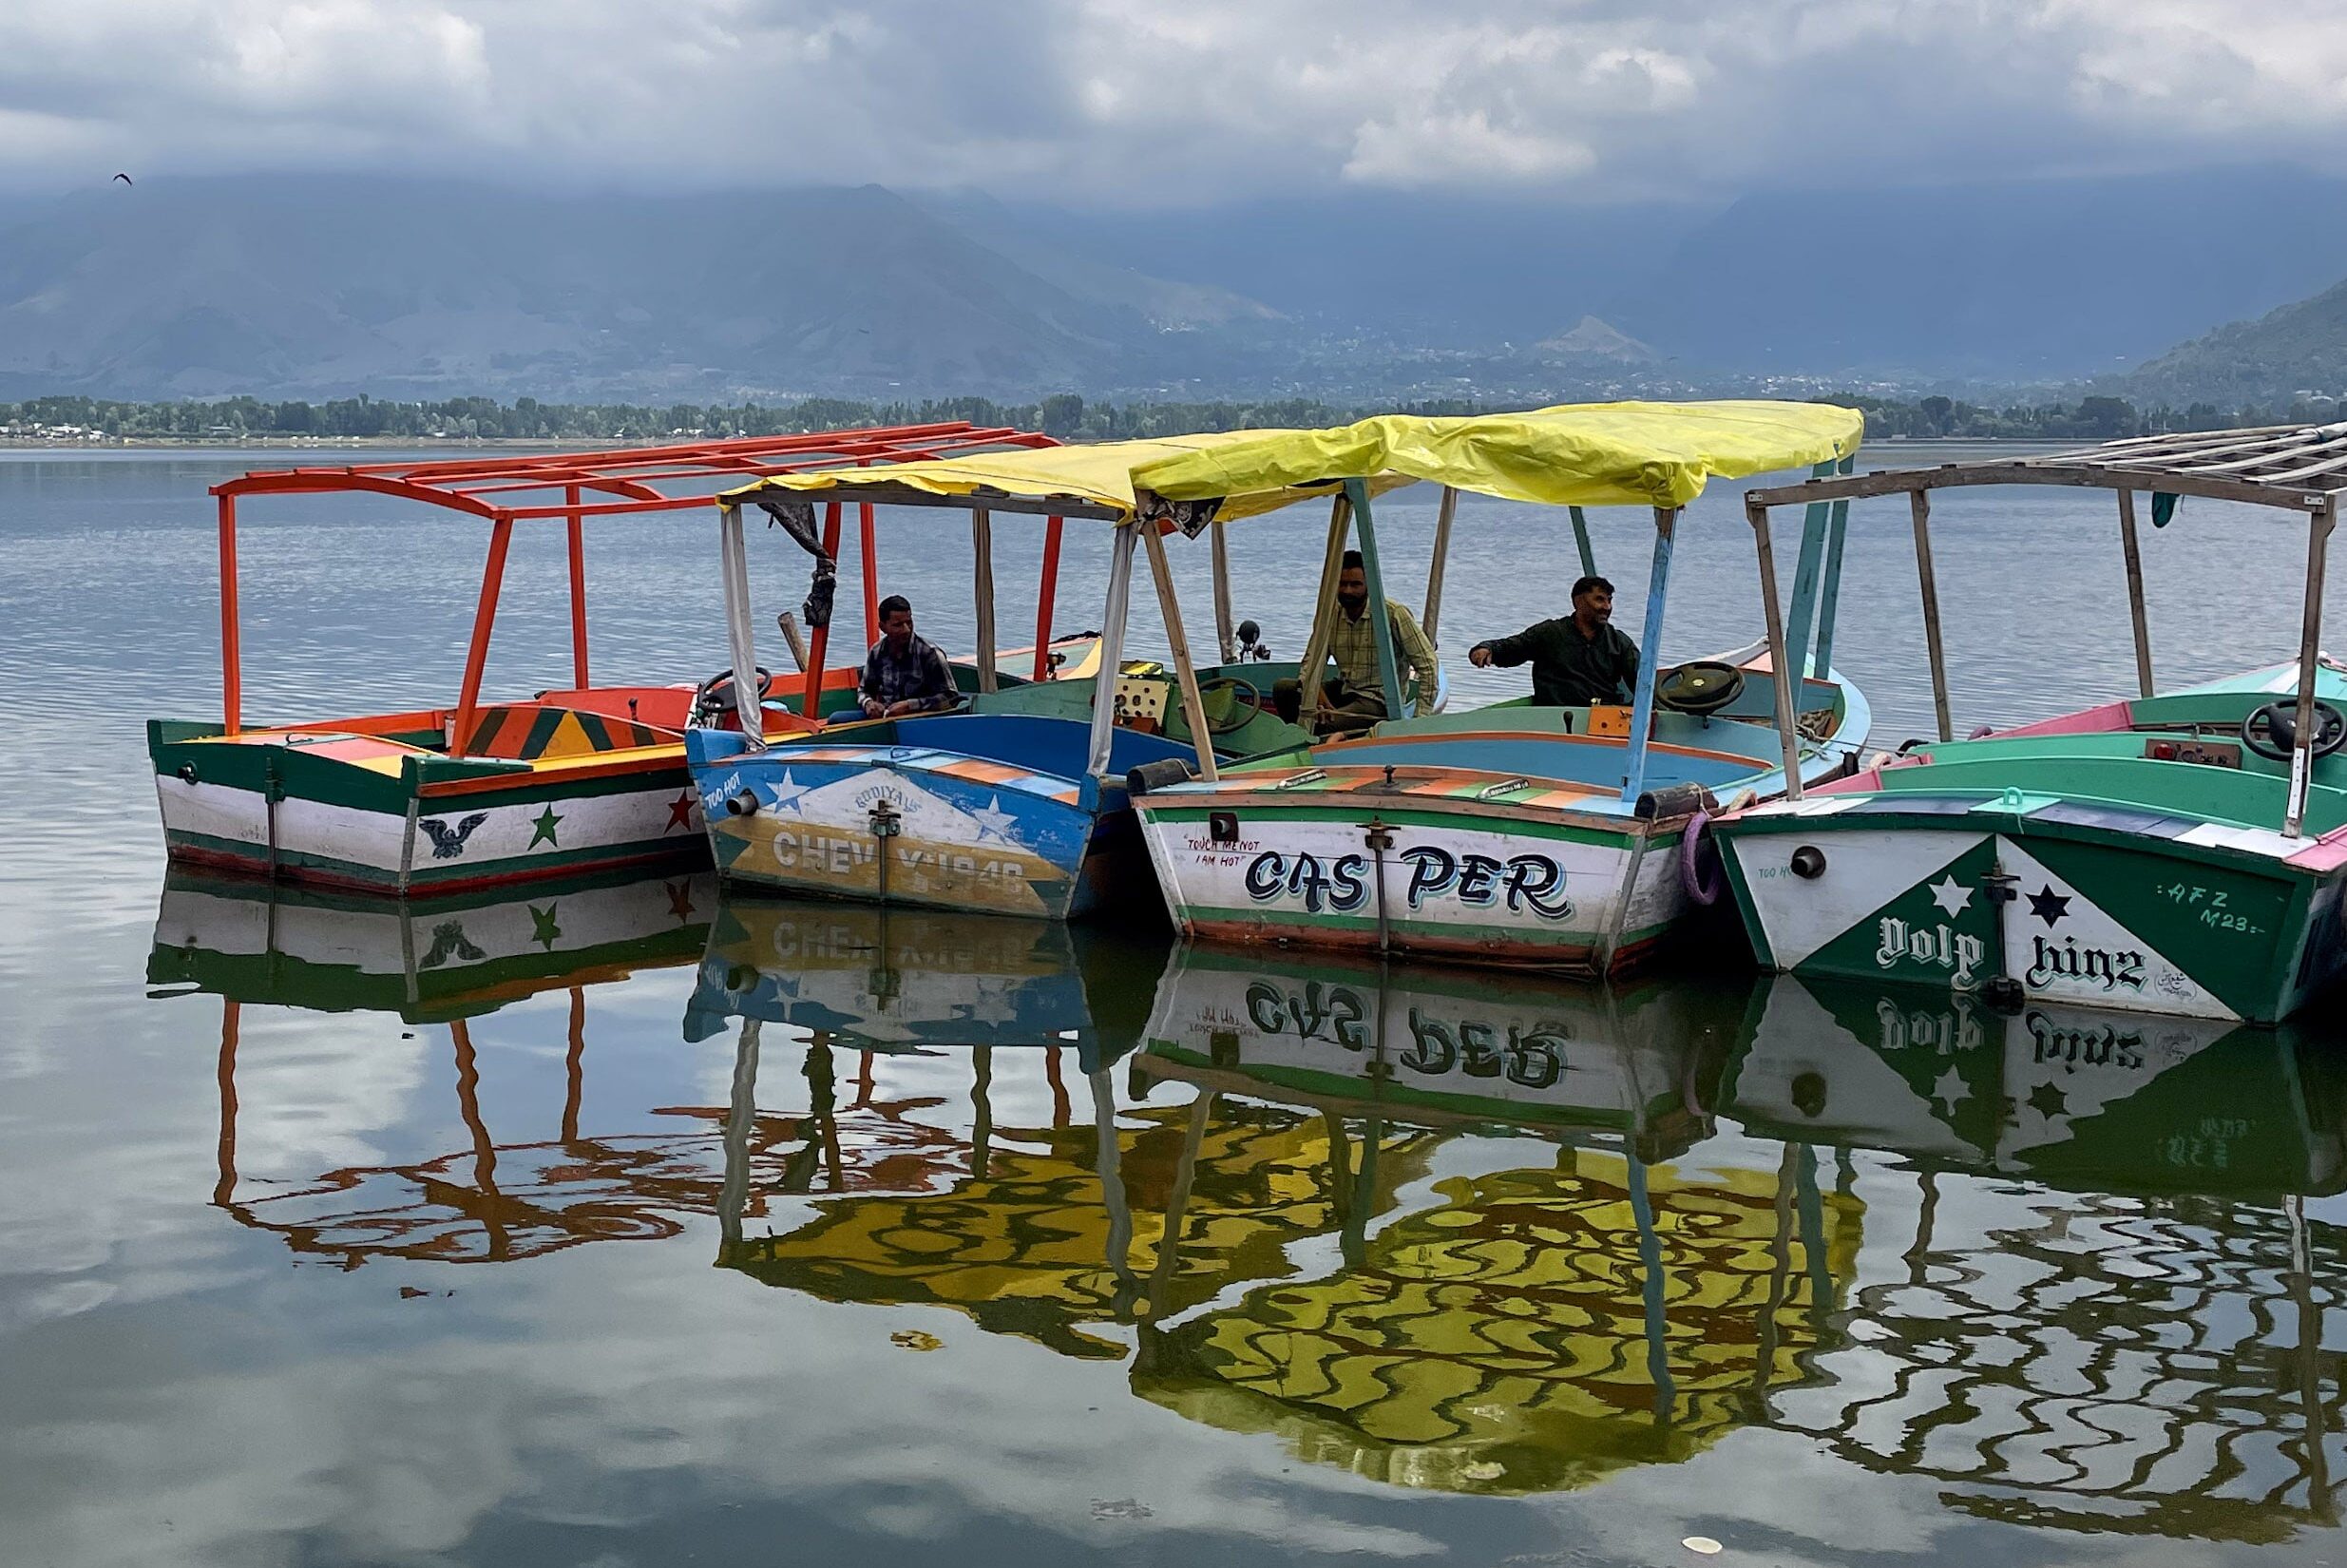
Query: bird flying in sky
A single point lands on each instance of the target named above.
(124, 178)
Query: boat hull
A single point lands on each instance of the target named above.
(1466, 882)
(289, 807)
(2212, 922)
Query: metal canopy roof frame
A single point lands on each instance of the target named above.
(2291, 467)
(575, 485)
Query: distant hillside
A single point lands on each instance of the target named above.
(2299, 348)
(2009, 282)
(402, 288)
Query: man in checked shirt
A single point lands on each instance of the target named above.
(904, 673)
(1360, 698)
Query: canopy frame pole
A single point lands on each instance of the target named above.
(1226, 625)
(982, 550)
(1324, 607)
(484, 622)
(868, 537)
(1581, 539)
(1185, 673)
(2131, 546)
(1642, 698)
(2310, 660)
(1781, 671)
(741, 637)
(1815, 519)
(232, 651)
(1046, 596)
(819, 638)
(1919, 508)
(1837, 532)
(1442, 516)
(1112, 618)
(574, 529)
(1382, 625)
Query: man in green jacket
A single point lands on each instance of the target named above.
(1576, 659)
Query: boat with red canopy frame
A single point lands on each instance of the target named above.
(486, 792)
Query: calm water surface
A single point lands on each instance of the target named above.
(616, 1225)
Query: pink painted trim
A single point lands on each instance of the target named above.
(2098, 720)
(2327, 853)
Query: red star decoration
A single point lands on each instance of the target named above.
(681, 812)
(679, 899)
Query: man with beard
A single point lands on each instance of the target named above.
(1357, 699)
(1576, 659)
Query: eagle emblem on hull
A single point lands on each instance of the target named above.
(447, 843)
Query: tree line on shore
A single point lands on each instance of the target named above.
(1064, 416)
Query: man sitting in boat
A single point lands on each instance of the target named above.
(1576, 659)
(1357, 699)
(904, 673)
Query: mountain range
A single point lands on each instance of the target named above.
(316, 286)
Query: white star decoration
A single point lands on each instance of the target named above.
(785, 793)
(1950, 895)
(1949, 1091)
(994, 822)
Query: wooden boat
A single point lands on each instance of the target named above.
(1016, 803)
(1558, 838)
(2182, 853)
(483, 793)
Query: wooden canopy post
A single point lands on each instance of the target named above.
(1382, 622)
(232, 652)
(1185, 673)
(869, 540)
(982, 549)
(576, 529)
(1642, 697)
(1112, 618)
(483, 619)
(1780, 670)
(2130, 545)
(819, 640)
(224, 1074)
(1046, 595)
(1829, 602)
(1920, 508)
(1226, 627)
(741, 637)
(1581, 539)
(1324, 608)
(1442, 516)
(2310, 659)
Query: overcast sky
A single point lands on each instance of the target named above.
(1171, 102)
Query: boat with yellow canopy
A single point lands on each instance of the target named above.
(1569, 838)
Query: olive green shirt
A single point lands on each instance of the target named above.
(1352, 642)
(1569, 670)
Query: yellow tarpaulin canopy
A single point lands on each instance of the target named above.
(1099, 475)
(1584, 454)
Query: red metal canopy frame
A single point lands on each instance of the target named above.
(623, 482)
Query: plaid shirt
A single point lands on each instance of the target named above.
(921, 673)
(1352, 642)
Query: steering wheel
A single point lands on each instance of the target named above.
(713, 697)
(1701, 686)
(1247, 701)
(2272, 732)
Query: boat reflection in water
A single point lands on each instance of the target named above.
(1464, 1232)
(2135, 1342)
(447, 961)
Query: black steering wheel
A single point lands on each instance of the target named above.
(1700, 686)
(2272, 732)
(713, 697)
(1248, 703)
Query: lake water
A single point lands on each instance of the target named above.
(613, 1225)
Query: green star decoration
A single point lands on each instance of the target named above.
(543, 930)
(545, 822)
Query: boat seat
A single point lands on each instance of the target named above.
(529, 732)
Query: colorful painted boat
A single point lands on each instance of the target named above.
(1568, 839)
(2181, 854)
(483, 793)
(1019, 803)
